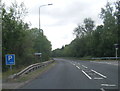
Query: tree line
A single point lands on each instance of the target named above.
(19, 39)
(95, 41)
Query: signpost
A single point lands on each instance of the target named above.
(38, 55)
(10, 60)
(116, 48)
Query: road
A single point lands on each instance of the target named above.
(76, 74)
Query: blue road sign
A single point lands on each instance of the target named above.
(10, 59)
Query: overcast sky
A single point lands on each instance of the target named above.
(60, 19)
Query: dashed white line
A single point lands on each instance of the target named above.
(99, 73)
(84, 66)
(86, 74)
(78, 67)
(108, 85)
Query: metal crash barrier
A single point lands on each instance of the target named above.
(30, 69)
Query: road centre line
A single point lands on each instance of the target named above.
(78, 67)
(99, 73)
(86, 74)
(84, 66)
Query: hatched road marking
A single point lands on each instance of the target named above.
(84, 66)
(99, 73)
(78, 67)
(86, 74)
(102, 89)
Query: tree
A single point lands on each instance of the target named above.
(117, 14)
(13, 33)
(99, 41)
(86, 28)
(109, 35)
(18, 39)
(89, 25)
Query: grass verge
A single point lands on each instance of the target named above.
(11, 72)
(84, 59)
(33, 74)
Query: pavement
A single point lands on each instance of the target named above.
(78, 74)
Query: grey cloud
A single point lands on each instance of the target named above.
(69, 12)
(73, 12)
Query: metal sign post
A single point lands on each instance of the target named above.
(116, 52)
(116, 49)
(10, 60)
(39, 55)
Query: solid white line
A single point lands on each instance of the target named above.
(110, 85)
(99, 73)
(84, 66)
(86, 74)
(77, 67)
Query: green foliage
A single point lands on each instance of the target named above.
(18, 39)
(95, 42)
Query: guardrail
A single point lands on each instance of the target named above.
(30, 69)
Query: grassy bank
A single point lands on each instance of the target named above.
(11, 72)
(30, 75)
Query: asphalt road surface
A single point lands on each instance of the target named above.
(76, 74)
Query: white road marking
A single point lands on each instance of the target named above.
(108, 85)
(86, 74)
(84, 66)
(98, 78)
(102, 89)
(73, 64)
(110, 63)
(78, 67)
(99, 73)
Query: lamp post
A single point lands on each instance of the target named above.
(39, 13)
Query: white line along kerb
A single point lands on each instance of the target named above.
(86, 74)
(99, 73)
(108, 85)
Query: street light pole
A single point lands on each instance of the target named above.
(39, 14)
(39, 19)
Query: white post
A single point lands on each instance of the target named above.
(11, 67)
(116, 52)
